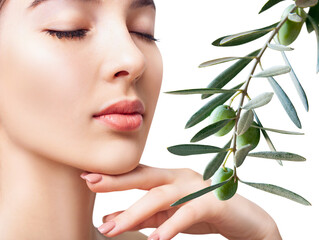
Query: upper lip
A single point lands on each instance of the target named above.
(123, 107)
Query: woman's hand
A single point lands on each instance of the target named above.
(237, 218)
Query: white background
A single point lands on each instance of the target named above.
(186, 29)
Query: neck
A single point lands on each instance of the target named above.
(42, 199)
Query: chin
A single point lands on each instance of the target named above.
(109, 168)
(115, 160)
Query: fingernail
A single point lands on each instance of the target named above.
(154, 237)
(84, 174)
(106, 227)
(93, 178)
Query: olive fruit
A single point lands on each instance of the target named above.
(251, 136)
(227, 190)
(220, 113)
(290, 30)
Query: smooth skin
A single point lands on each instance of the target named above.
(236, 219)
(50, 88)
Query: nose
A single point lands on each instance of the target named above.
(123, 60)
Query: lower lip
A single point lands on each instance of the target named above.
(122, 122)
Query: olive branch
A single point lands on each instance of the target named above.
(244, 121)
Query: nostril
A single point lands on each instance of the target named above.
(121, 74)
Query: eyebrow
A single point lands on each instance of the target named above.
(134, 4)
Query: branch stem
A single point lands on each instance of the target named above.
(245, 90)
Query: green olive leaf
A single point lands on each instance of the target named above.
(221, 60)
(241, 154)
(215, 163)
(244, 122)
(285, 101)
(279, 47)
(202, 91)
(273, 71)
(306, 3)
(286, 156)
(269, 4)
(210, 130)
(193, 149)
(259, 101)
(313, 12)
(206, 110)
(316, 28)
(243, 37)
(266, 136)
(227, 75)
(199, 193)
(279, 191)
(301, 92)
(278, 131)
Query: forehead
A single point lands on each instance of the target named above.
(134, 4)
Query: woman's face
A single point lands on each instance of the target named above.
(52, 85)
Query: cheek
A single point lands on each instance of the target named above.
(39, 87)
(152, 80)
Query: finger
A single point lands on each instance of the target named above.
(184, 218)
(156, 220)
(211, 216)
(109, 217)
(192, 218)
(143, 177)
(156, 200)
(153, 222)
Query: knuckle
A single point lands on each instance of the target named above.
(218, 210)
(157, 192)
(188, 178)
(190, 173)
(191, 211)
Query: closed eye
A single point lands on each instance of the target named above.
(74, 34)
(81, 33)
(145, 36)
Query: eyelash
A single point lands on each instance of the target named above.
(145, 36)
(81, 33)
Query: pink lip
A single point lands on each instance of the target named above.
(124, 115)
